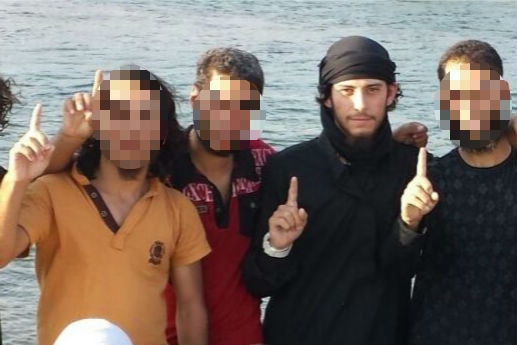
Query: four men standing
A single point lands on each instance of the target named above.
(335, 247)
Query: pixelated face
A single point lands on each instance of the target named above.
(474, 104)
(359, 105)
(126, 120)
(227, 113)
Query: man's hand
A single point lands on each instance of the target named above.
(31, 154)
(288, 221)
(77, 112)
(76, 127)
(418, 198)
(411, 133)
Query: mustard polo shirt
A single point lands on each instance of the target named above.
(85, 270)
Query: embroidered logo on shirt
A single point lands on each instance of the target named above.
(156, 252)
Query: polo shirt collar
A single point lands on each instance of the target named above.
(155, 186)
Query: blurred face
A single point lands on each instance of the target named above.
(127, 123)
(227, 113)
(359, 106)
(474, 105)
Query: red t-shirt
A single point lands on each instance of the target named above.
(233, 313)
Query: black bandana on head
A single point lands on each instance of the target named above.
(356, 57)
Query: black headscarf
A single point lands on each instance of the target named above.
(355, 57)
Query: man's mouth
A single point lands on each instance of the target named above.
(361, 118)
(129, 145)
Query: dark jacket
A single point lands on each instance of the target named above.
(347, 277)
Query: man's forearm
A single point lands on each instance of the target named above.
(264, 274)
(66, 146)
(11, 196)
(192, 325)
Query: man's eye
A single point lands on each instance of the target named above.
(105, 104)
(219, 104)
(374, 89)
(115, 105)
(117, 114)
(347, 91)
(145, 114)
(250, 104)
(455, 95)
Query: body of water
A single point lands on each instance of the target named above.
(52, 48)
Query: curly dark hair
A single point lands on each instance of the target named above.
(471, 51)
(232, 61)
(7, 99)
(173, 136)
(324, 93)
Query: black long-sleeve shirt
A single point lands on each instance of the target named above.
(347, 277)
(466, 286)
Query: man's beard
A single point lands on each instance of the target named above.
(488, 138)
(131, 169)
(220, 153)
(360, 143)
(206, 145)
(487, 144)
(478, 145)
(129, 174)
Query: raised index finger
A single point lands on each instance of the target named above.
(36, 118)
(421, 165)
(292, 194)
(97, 81)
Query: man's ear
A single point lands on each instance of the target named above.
(194, 94)
(392, 93)
(504, 88)
(328, 102)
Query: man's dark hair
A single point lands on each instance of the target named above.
(7, 99)
(234, 62)
(471, 51)
(324, 93)
(173, 136)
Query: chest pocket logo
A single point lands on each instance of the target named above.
(156, 252)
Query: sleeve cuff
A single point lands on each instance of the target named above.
(272, 251)
(407, 235)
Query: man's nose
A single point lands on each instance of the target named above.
(358, 99)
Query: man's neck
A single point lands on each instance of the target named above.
(109, 181)
(488, 158)
(207, 162)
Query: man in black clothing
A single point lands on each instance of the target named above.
(466, 286)
(329, 255)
